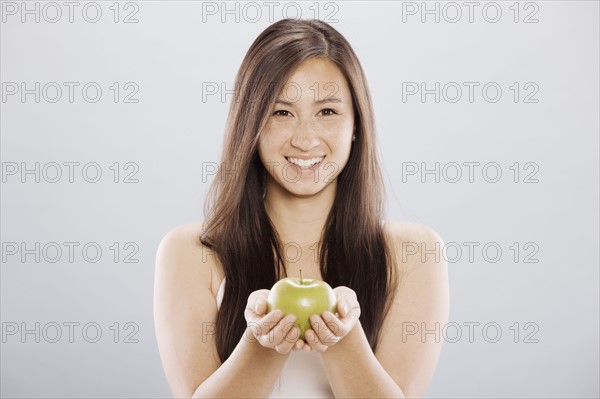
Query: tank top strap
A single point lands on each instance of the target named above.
(220, 293)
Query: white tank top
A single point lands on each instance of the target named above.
(303, 374)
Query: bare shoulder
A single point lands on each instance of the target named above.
(186, 235)
(414, 243)
(181, 252)
(401, 230)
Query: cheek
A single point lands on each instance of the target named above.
(268, 146)
(263, 149)
(341, 138)
(342, 129)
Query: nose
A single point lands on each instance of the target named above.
(305, 138)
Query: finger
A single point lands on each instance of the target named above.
(313, 340)
(277, 334)
(350, 311)
(299, 345)
(260, 306)
(306, 347)
(261, 326)
(342, 308)
(328, 331)
(346, 308)
(256, 306)
(258, 301)
(252, 317)
(289, 341)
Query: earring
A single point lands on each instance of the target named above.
(353, 137)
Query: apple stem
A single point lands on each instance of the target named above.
(301, 282)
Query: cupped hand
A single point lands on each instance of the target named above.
(328, 328)
(271, 330)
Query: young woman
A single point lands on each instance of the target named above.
(299, 188)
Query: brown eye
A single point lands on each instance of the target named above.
(328, 111)
(281, 112)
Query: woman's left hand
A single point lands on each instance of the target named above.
(328, 328)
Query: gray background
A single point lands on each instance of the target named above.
(170, 133)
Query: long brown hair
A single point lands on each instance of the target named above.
(353, 251)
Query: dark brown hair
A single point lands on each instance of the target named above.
(353, 251)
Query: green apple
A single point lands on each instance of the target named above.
(303, 298)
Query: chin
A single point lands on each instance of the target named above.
(305, 193)
(310, 189)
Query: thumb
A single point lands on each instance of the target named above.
(260, 306)
(343, 308)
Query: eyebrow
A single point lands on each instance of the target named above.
(323, 101)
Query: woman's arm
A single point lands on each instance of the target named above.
(250, 372)
(185, 311)
(354, 371)
(411, 335)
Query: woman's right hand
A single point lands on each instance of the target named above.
(271, 330)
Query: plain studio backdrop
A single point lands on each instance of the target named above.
(112, 125)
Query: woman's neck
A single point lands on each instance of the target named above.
(297, 219)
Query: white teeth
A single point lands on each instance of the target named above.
(305, 163)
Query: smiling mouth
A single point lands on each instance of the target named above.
(305, 163)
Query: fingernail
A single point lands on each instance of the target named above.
(326, 316)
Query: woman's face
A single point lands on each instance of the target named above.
(308, 136)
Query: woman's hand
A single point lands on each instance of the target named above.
(328, 328)
(271, 330)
